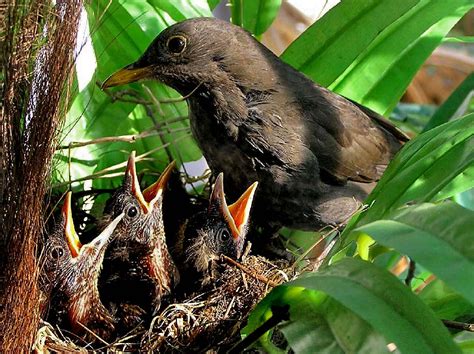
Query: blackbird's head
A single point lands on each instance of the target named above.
(142, 210)
(220, 230)
(68, 266)
(197, 51)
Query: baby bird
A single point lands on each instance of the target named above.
(70, 273)
(218, 230)
(138, 268)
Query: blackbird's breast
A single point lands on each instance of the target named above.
(278, 164)
(221, 149)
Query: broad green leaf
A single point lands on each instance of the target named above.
(370, 50)
(254, 15)
(371, 293)
(180, 10)
(423, 168)
(329, 327)
(446, 303)
(457, 185)
(439, 237)
(448, 109)
(317, 323)
(213, 3)
(120, 32)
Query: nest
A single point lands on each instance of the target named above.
(210, 319)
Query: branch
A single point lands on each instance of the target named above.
(249, 272)
(106, 172)
(130, 138)
(411, 272)
(280, 314)
(459, 325)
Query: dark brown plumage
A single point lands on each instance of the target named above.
(258, 119)
(69, 278)
(138, 268)
(219, 230)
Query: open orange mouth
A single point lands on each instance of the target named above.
(72, 239)
(237, 214)
(150, 195)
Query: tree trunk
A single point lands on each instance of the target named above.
(37, 61)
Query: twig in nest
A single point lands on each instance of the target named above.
(93, 334)
(459, 325)
(249, 272)
(226, 315)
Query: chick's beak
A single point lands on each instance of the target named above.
(132, 178)
(150, 195)
(100, 242)
(237, 215)
(240, 210)
(72, 239)
(128, 74)
(154, 192)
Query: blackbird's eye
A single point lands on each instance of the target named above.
(57, 252)
(176, 44)
(132, 212)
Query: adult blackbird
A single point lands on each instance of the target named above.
(258, 119)
(70, 273)
(138, 268)
(219, 230)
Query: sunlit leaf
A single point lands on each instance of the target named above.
(439, 237)
(254, 15)
(370, 50)
(371, 293)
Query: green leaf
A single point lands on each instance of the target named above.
(371, 293)
(213, 3)
(445, 230)
(370, 50)
(120, 33)
(180, 10)
(446, 303)
(254, 15)
(458, 185)
(424, 167)
(329, 327)
(448, 109)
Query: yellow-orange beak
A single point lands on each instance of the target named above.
(72, 239)
(237, 215)
(240, 210)
(127, 75)
(150, 195)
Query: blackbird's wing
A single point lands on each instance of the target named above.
(351, 142)
(320, 130)
(383, 122)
